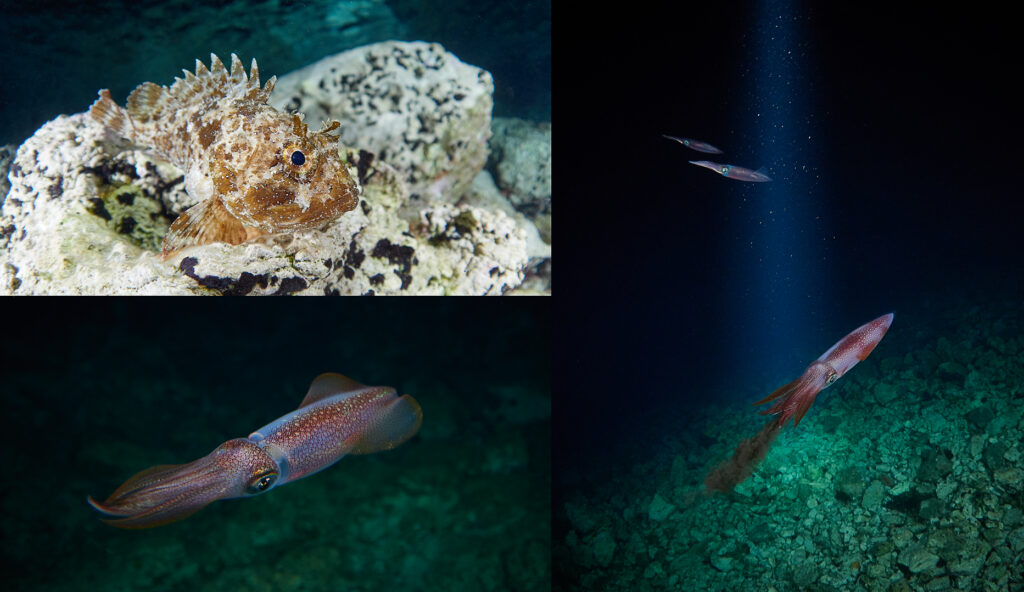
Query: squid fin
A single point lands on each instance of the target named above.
(398, 421)
(329, 384)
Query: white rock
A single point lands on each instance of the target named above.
(413, 104)
(523, 153)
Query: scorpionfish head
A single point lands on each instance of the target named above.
(299, 180)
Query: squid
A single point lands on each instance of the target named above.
(796, 397)
(733, 172)
(695, 145)
(338, 416)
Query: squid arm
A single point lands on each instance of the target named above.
(795, 398)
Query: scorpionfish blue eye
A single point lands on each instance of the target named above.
(298, 158)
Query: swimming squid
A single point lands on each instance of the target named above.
(338, 416)
(733, 172)
(695, 145)
(797, 396)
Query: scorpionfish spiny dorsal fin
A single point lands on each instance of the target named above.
(149, 100)
(216, 82)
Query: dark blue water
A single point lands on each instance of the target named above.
(59, 54)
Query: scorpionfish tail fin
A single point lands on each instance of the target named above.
(112, 115)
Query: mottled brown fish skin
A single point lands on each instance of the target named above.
(253, 169)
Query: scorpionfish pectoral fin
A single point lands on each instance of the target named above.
(206, 222)
(394, 423)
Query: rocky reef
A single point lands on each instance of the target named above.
(85, 213)
(907, 478)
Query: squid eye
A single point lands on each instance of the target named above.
(832, 376)
(725, 170)
(261, 484)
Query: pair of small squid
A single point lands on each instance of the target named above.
(726, 170)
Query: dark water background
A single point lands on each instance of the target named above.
(892, 134)
(57, 55)
(97, 390)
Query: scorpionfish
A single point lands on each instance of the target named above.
(254, 169)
